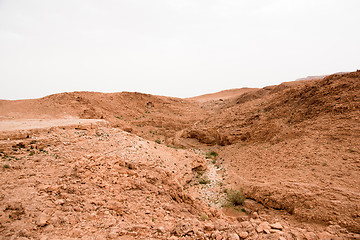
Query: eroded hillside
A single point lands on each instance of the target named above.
(295, 147)
(153, 167)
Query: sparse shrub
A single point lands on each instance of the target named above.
(6, 166)
(211, 155)
(200, 173)
(204, 181)
(234, 197)
(204, 217)
(31, 153)
(175, 147)
(324, 164)
(158, 141)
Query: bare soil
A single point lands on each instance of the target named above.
(87, 165)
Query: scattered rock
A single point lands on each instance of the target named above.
(276, 226)
(15, 210)
(263, 227)
(128, 129)
(115, 206)
(243, 234)
(275, 231)
(255, 215)
(310, 236)
(326, 236)
(114, 233)
(233, 236)
(182, 229)
(60, 202)
(199, 164)
(247, 225)
(42, 220)
(209, 227)
(161, 230)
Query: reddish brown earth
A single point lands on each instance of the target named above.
(87, 165)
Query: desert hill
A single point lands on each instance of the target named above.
(292, 149)
(274, 112)
(225, 94)
(153, 117)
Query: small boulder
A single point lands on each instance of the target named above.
(263, 227)
(115, 206)
(233, 236)
(243, 235)
(42, 220)
(209, 227)
(276, 226)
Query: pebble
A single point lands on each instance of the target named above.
(275, 231)
(113, 235)
(243, 234)
(255, 215)
(59, 202)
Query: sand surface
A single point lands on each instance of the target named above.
(27, 124)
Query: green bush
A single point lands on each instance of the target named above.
(204, 181)
(234, 197)
(211, 155)
(204, 217)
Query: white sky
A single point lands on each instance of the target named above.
(177, 48)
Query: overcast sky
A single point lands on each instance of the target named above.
(177, 48)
